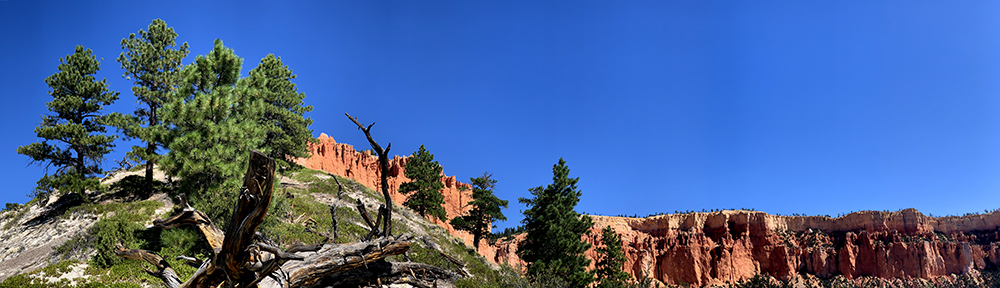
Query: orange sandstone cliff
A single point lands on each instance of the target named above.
(729, 246)
(343, 160)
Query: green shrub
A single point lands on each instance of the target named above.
(23, 281)
(108, 232)
(133, 185)
(11, 207)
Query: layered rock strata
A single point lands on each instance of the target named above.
(731, 246)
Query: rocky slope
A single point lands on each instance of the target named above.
(731, 246)
(30, 234)
(31, 237)
(341, 159)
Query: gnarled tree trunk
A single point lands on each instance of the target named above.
(244, 258)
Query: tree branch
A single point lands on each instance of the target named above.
(245, 258)
(383, 160)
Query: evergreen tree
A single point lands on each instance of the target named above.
(425, 186)
(610, 260)
(209, 131)
(485, 209)
(152, 60)
(553, 243)
(75, 125)
(281, 115)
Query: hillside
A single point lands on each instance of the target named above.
(67, 243)
(732, 246)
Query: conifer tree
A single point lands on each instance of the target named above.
(485, 209)
(152, 60)
(74, 128)
(553, 243)
(209, 132)
(425, 186)
(610, 260)
(281, 114)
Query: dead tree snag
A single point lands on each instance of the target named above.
(245, 258)
(383, 160)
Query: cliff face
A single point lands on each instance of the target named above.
(730, 246)
(343, 160)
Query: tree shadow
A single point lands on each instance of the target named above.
(50, 212)
(130, 189)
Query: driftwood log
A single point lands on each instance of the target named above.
(245, 258)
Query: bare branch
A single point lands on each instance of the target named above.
(383, 160)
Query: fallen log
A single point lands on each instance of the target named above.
(244, 258)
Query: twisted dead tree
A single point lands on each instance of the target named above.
(243, 257)
(383, 161)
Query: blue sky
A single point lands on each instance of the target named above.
(785, 107)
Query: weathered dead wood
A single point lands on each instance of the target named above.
(374, 232)
(333, 208)
(246, 258)
(165, 272)
(333, 259)
(459, 266)
(196, 218)
(364, 215)
(415, 274)
(383, 160)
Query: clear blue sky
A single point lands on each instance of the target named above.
(792, 107)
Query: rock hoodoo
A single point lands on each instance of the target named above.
(730, 246)
(341, 159)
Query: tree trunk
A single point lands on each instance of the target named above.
(383, 160)
(147, 186)
(244, 258)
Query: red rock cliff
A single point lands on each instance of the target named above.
(343, 160)
(730, 246)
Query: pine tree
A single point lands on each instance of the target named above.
(76, 123)
(610, 260)
(553, 244)
(425, 186)
(485, 209)
(153, 61)
(208, 131)
(281, 115)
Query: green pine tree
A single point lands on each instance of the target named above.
(610, 260)
(485, 209)
(281, 115)
(152, 60)
(425, 185)
(209, 131)
(553, 244)
(74, 129)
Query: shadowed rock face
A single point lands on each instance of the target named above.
(730, 246)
